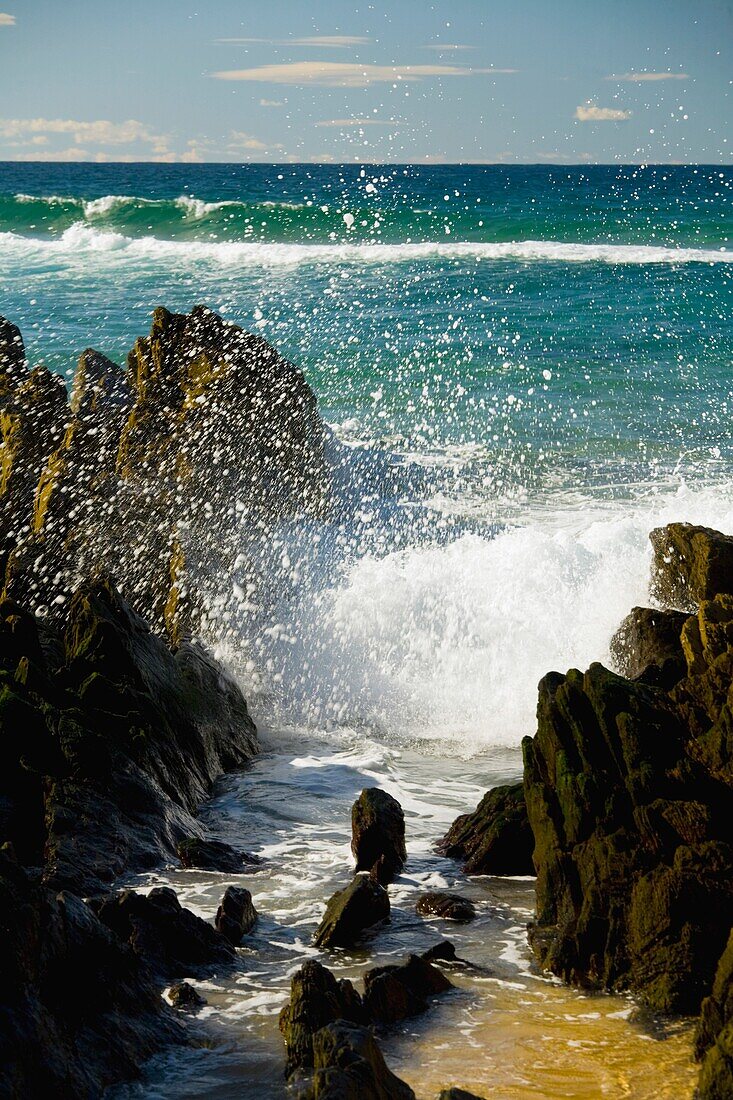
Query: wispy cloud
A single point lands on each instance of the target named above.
(346, 123)
(640, 78)
(444, 46)
(239, 141)
(336, 74)
(590, 113)
(272, 103)
(330, 41)
(6, 20)
(97, 132)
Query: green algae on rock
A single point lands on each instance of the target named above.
(496, 838)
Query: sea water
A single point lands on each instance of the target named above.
(540, 358)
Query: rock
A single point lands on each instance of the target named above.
(378, 834)
(633, 846)
(690, 564)
(236, 915)
(458, 1094)
(349, 1064)
(79, 1008)
(215, 855)
(446, 906)
(171, 939)
(182, 995)
(648, 645)
(349, 912)
(316, 999)
(496, 839)
(393, 993)
(443, 951)
(714, 1035)
(12, 358)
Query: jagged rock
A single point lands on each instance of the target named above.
(183, 995)
(714, 1035)
(316, 999)
(443, 951)
(78, 1008)
(215, 855)
(633, 844)
(348, 1063)
(648, 645)
(393, 993)
(445, 906)
(496, 839)
(458, 1094)
(171, 939)
(690, 564)
(236, 915)
(12, 358)
(378, 834)
(349, 912)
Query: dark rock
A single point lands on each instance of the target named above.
(714, 1036)
(349, 912)
(393, 993)
(215, 855)
(378, 834)
(12, 358)
(690, 564)
(171, 939)
(648, 645)
(496, 839)
(446, 906)
(443, 951)
(349, 1064)
(236, 915)
(458, 1094)
(316, 999)
(182, 995)
(78, 1008)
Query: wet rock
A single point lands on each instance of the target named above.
(496, 839)
(648, 645)
(316, 999)
(79, 1008)
(236, 915)
(443, 951)
(378, 834)
(215, 855)
(393, 993)
(12, 357)
(714, 1035)
(351, 911)
(348, 1063)
(445, 906)
(690, 564)
(458, 1094)
(171, 939)
(183, 996)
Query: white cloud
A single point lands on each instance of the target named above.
(345, 123)
(272, 103)
(98, 132)
(330, 41)
(639, 78)
(238, 140)
(441, 46)
(590, 113)
(6, 20)
(335, 74)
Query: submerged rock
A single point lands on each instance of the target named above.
(215, 855)
(648, 645)
(496, 839)
(393, 993)
(236, 915)
(446, 906)
(690, 564)
(458, 1094)
(378, 834)
(351, 911)
(316, 999)
(348, 1064)
(182, 995)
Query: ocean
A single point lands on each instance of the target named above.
(541, 357)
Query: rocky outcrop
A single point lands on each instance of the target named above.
(236, 916)
(394, 993)
(378, 834)
(714, 1036)
(78, 1008)
(690, 564)
(496, 839)
(348, 1063)
(350, 912)
(446, 906)
(648, 646)
(214, 855)
(316, 999)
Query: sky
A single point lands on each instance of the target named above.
(406, 81)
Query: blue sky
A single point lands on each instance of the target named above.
(406, 81)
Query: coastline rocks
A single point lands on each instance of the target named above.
(214, 855)
(79, 1008)
(171, 939)
(393, 993)
(714, 1036)
(458, 1094)
(316, 999)
(648, 646)
(236, 916)
(496, 838)
(378, 834)
(690, 564)
(351, 911)
(348, 1063)
(446, 906)
(183, 996)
